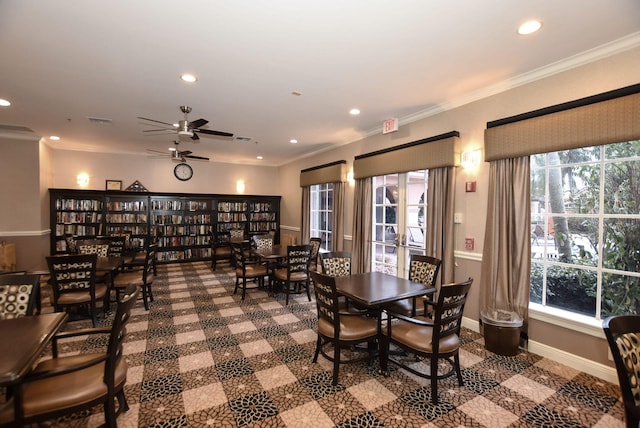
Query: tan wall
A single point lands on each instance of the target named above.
(157, 174)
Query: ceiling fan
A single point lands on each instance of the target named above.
(178, 155)
(186, 128)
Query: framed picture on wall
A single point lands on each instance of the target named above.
(114, 185)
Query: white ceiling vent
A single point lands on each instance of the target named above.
(15, 128)
(100, 120)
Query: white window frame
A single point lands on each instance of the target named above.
(591, 325)
(317, 192)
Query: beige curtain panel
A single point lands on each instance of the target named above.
(433, 152)
(611, 117)
(334, 172)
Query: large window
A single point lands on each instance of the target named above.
(321, 211)
(585, 230)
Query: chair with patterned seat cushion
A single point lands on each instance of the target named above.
(623, 336)
(73, 282)
(422, 269)
(18, 295)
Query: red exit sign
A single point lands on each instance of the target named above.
(390, 125)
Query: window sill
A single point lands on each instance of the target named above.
(565, 319)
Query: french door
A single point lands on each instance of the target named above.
(399, 210)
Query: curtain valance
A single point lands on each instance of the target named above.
(433, 152)
(610, 117)
(334, 172)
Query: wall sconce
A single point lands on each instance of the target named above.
(350, 179)
(240, 186)
(82, 179)
(471, 159)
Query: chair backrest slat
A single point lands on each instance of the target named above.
(298, 258)
(449, 309)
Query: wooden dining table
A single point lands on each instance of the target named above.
(23, 341)
(373, 289)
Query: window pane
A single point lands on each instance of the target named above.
(621, 249)
(622, 150)
(572, 289)
(620, 294)
(622, 187)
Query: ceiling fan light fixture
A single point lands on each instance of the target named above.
(183, 128)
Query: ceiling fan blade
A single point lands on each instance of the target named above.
(198, 123)
(157, 151)
(196, 157)
(186, 152)
(159, 129)
(211, 132)
(153, 120)
(195, 137)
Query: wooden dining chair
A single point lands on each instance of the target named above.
(437, 339)
(340, 329)
(336, 263)
(18, 294)
(422, 269)
(262, 242)
(295, 278)
(220, 248)
(315, 243)
(141, 277)
(73, 282)
(248, 269)
(623, 336)
(68, 384)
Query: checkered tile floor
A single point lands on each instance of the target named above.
(202, 357)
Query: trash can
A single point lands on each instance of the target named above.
(501, 331)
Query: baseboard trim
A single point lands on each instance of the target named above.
(593, 368)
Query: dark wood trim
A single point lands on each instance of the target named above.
(605, 96)
(411, 144)
(326, 165)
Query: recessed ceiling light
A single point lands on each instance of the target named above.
(259, 157)
(4, 103)
(529, 27)
(54, 138)
(293, 141)
(189, 78)
(354, 111)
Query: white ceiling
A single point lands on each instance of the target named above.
(64, 61)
